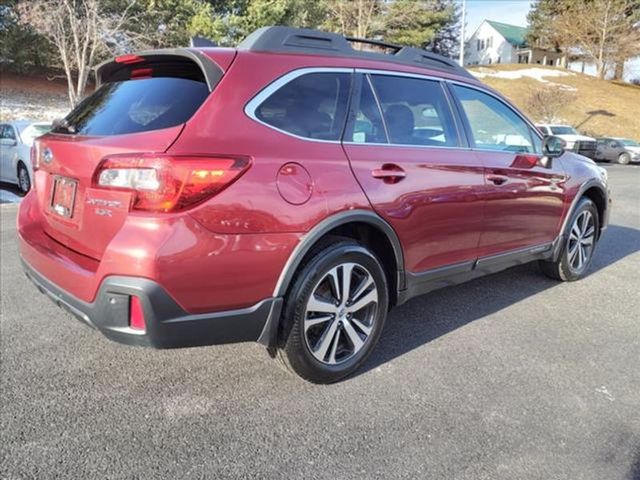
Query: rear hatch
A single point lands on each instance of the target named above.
(141, 105)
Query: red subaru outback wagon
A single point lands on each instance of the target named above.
(290, 192)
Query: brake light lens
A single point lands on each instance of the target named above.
(34, 152)
(165, 183)
(129, 59)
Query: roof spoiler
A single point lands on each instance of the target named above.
(125, 63)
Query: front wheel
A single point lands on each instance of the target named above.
(624, 158)
(579, 247)
(334, 312)
(24, 182)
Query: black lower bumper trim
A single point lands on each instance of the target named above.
(167, 324)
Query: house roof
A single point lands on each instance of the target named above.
(515, 35)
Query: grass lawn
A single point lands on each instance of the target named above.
(614, 107)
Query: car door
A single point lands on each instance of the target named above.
(615, 149)
(5, 153)
(601, 149)
(524, 200)
(404, 146)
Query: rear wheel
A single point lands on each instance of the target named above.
(579, 247)
(24, 182)
(624, 158)
(334, 313)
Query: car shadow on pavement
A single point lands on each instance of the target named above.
(430, 316)
(10, 193)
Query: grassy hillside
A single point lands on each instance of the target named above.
(614, 107)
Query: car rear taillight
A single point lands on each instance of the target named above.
(136, 314)
(166, 183)
(34, 152)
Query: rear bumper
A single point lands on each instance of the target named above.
(167, 324)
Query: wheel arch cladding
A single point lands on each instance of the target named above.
(363, 226)
(597, 196)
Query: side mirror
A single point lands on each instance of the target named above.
(552, 147)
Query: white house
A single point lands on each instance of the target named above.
(496, 42)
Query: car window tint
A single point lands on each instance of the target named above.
(494, 125)
(8, 132)
(311, 106)
(368, 126)
(416, 111)
(133, 106)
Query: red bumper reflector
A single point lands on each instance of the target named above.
(136, 314)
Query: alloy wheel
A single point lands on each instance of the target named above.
(624, 158)
(23, 180)
(340, 313)
(581, 241)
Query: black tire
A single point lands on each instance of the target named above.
(295, 352)
(24, 182)
(565, 268)
(624, 158)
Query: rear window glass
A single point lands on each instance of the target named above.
(132, 106)
(311, 106)
(368, 126)
(416, 111)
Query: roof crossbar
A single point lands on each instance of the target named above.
(281, 39)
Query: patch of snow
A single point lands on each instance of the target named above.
(32, 105)
(534, 73)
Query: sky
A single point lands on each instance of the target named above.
(513, 12)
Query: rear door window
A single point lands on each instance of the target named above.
(138, 105)
(368, 126)
(416, 111)
(313, 106)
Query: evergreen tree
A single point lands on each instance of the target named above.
(431, 24)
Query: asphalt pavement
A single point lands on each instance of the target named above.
(512, 376)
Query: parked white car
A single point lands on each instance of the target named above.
(16, 139)
(574, 141)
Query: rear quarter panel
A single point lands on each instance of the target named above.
(253, 204)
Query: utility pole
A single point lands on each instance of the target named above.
(464, 12)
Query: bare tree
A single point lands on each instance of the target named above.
(606, 31)
(544, 104)
(80, 30)
(356, 18)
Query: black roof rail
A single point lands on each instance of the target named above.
(304, 40)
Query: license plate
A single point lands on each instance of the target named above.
(64, 195)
